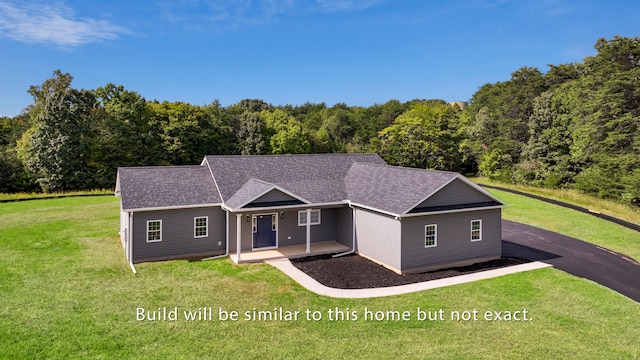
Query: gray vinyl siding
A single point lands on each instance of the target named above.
(344, 226)
(178, 239)
(453, 238)
(271, 196)
(378, 237)
(456, 192)
(289, 233)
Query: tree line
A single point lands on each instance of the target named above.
(575, 126)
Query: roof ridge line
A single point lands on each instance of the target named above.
(405, 168)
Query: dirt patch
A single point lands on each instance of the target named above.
(356, 272)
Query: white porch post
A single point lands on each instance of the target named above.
(308, 230)
(238, 234)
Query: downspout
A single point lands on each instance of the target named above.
(130, 243)
(353, 233)
(226, 237)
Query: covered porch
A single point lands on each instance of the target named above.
(291, 251)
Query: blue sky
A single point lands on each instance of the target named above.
(295, 51)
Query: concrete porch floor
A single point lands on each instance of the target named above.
(290, 252)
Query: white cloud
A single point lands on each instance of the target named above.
(52, 23)
(233, 14)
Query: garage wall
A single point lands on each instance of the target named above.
(378, 238)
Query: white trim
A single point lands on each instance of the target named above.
(435, 236)
(374, 209)
(160, 230)
(480, 230)
(284, 207)
(173, 207)
(238, 235)
(308, 228)
(212, 177)
(276, 215)
(273, 187)
(308, 214)
(453, 211)
(195, 227)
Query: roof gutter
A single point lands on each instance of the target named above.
(452, 211)
(174, 207)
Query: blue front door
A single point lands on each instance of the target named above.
(264, 231)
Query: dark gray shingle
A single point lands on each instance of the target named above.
(393, 189)
(165, 186)
(318, 178)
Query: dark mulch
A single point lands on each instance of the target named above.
(356, 272)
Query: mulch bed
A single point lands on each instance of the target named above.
(355, 272)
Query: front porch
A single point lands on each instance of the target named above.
(292, 251)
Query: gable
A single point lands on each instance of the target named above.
(274, 197)
(456, 192)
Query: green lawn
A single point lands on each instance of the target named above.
(66, 291)
(573, 223)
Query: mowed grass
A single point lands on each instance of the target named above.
(610, 207)
(66, 291)
(569, 222)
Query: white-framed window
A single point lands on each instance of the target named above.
(154, 230)
(430, 235)
(273, 222)
(476, 230)
(254, 224)
(200, 226)
(315, 217)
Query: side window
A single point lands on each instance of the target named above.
(314, 215)
(431, 235)
(476, 230)
(200, 226)
(154, 230)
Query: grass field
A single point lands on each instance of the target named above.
(66, 291)
(610, 207)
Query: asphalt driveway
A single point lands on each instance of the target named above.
(574, 256)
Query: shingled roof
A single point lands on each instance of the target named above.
(235, 181)
(393, 189)
(165, 186)
(317, 178)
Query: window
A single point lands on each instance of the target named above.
(254, 224)
(273, 222)
(476, 230)
(302, 217)
(154, 230)
(430, 235)
(200, 228)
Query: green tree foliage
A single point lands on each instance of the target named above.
(13, 176)
(577, 125)
(422, 137)
(124, 135)
(498, 118)
(251, 134)
(57, 147)
(285, 134)
(188, 132)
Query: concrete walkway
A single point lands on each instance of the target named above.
(312, 285)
